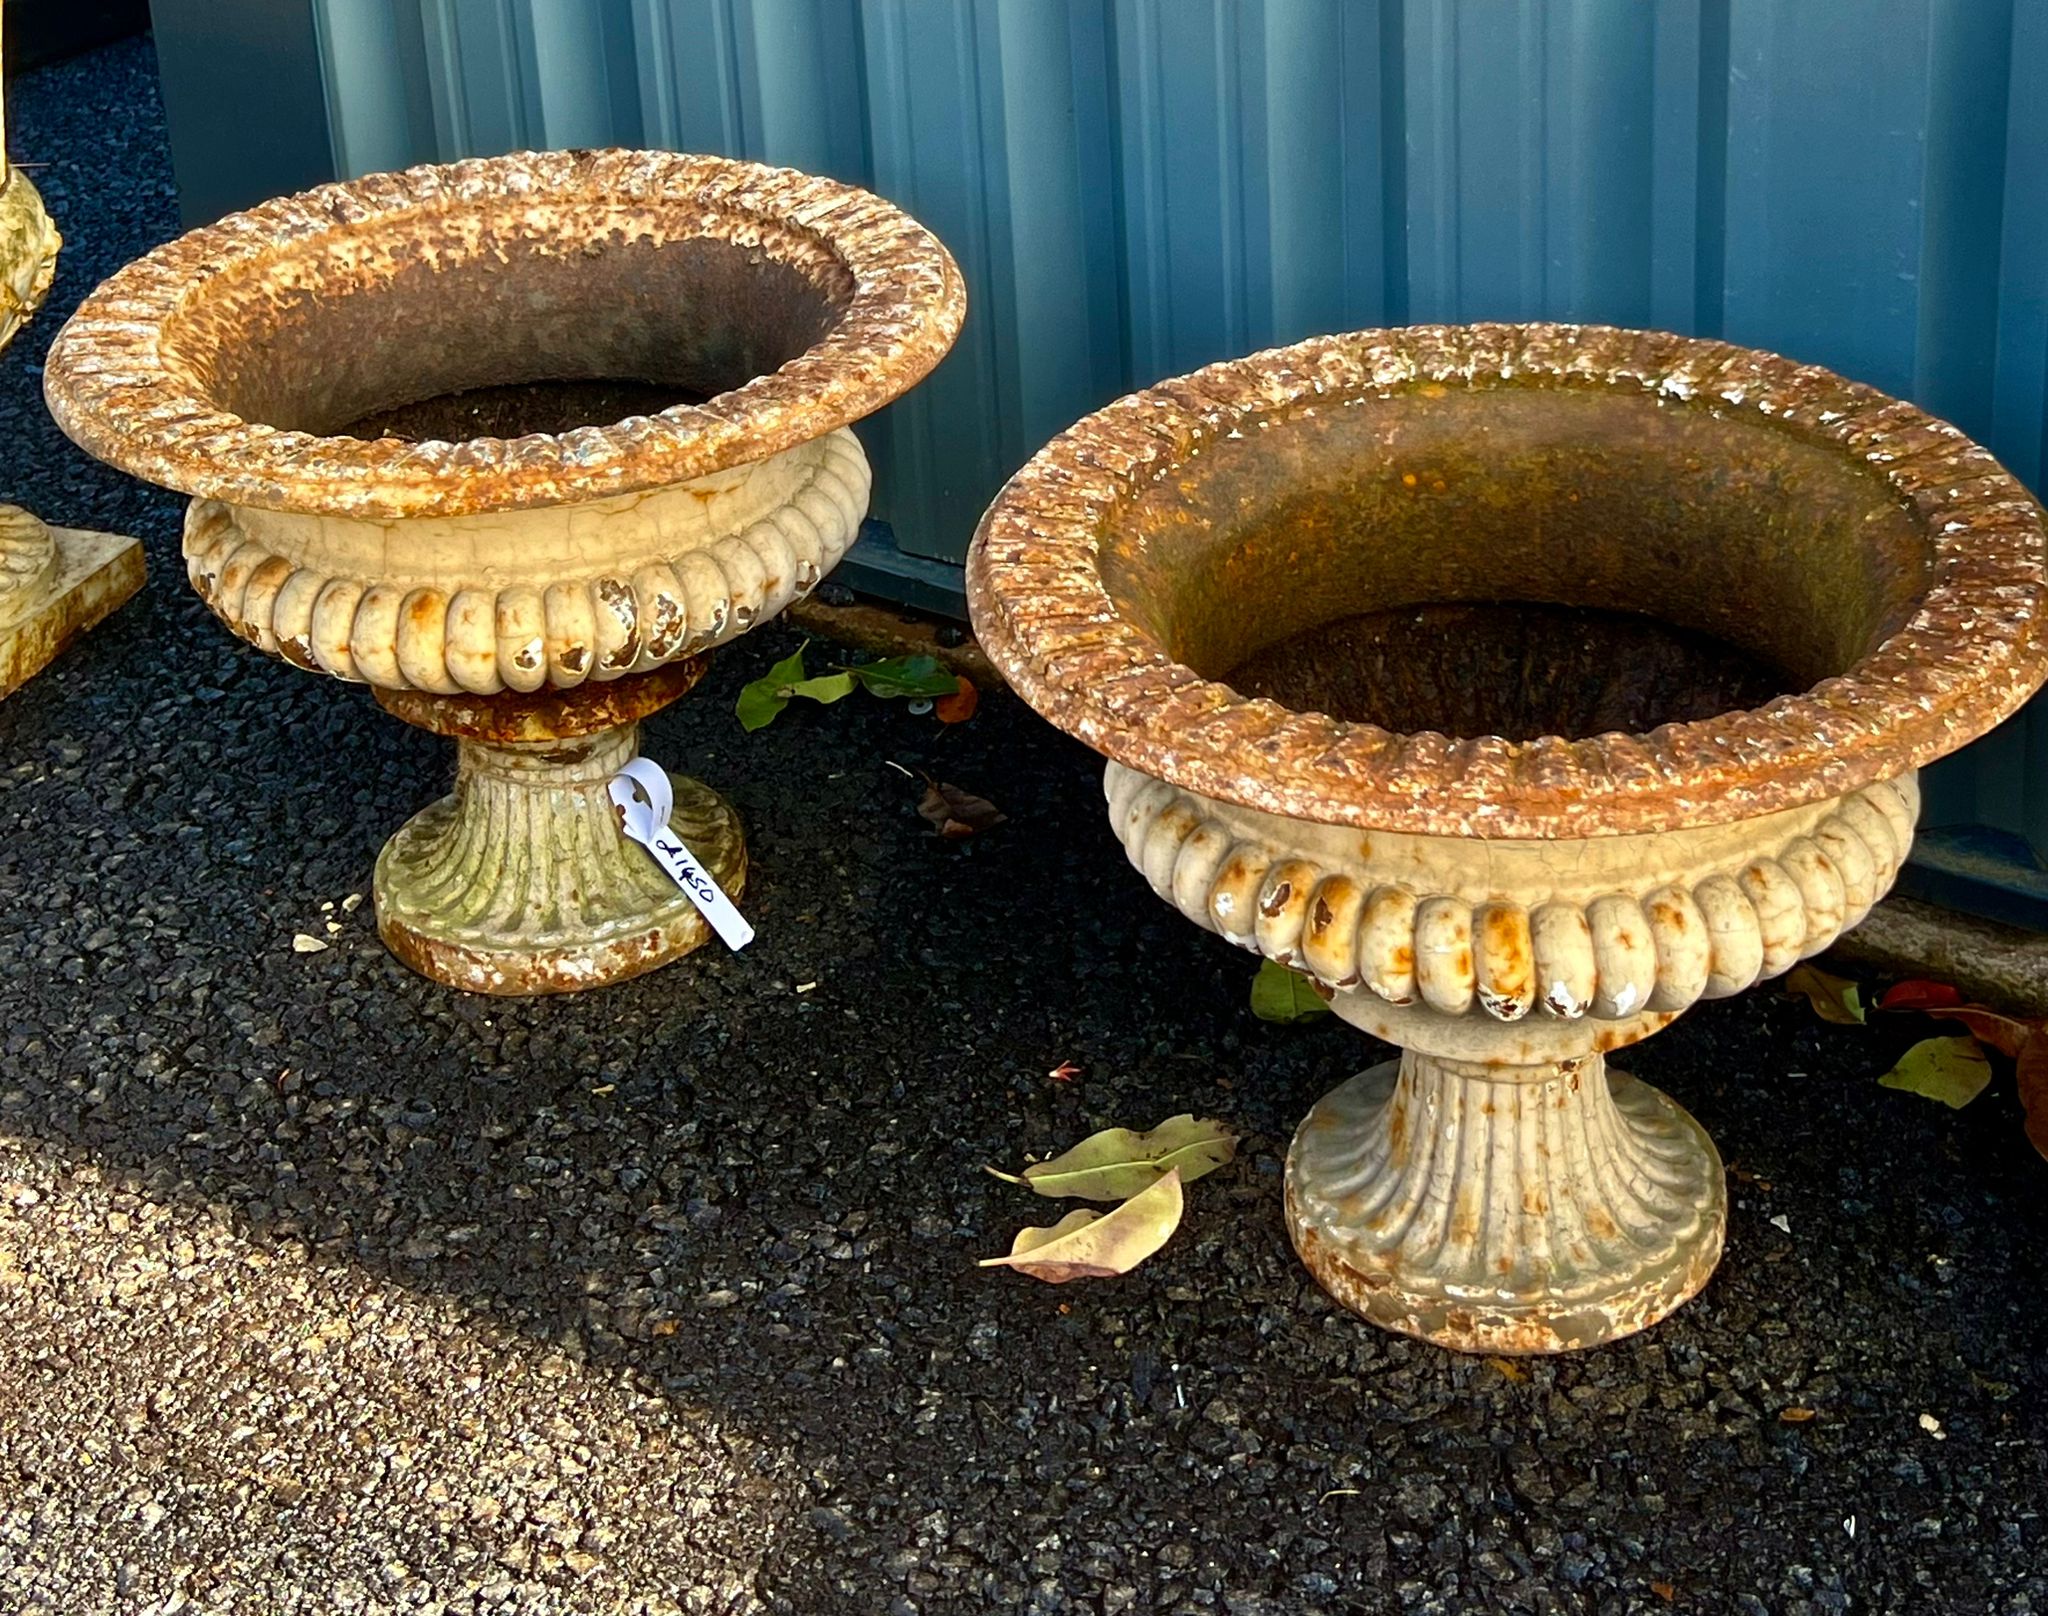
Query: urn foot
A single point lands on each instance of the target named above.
(522, 882)
(1505, 1209)
(55, 583)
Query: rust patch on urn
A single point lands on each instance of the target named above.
(547, 715)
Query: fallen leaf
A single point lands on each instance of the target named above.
(1834, 998)
(1919, 995)
(303, 944)
(825, 689)
(958, 707)
(1117, 1163)
(1065, 1072)
(1098, 1245)
(2031, 1072)
(1664, 1591)
(1508, 1367)
(957, 814)
(905, 676)
(1796, 1416)
(2003, 1033)
(761, 701)
(1285, 995)
(1951, 1070)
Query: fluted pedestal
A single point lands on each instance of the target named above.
(1505, 1209)
(522, 881)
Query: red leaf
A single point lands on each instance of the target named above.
(2032, 1073)
(1919, 995)
(1988, 1027)
(958, 707)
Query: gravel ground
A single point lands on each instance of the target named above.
(326, 1289)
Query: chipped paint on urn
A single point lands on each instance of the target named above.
(55, 582)
(1523, 685)
(312, 372)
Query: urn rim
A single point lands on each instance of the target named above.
(1969, 654)
(118, 386)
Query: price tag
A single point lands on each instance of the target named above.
(644, 797)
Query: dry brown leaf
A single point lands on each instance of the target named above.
(1994, 1031)
(1796, 1416)
(1098, 1245)
(2031, 1072)
(956, 814)
(1508, 1367)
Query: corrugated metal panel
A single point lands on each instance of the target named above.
(1134, 187)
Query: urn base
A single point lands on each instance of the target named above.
(1505, 1209)
(55, 584)
(523, 882)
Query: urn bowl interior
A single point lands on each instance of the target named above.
(1515, 581)
(481, 319)
(1517, 561)
(541, 328)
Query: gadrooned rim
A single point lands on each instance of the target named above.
(1968, 657)
(110, 389)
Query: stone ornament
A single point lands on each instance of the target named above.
(535, 588)
(55, 582)
(1286, 596)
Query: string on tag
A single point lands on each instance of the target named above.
(644, 798)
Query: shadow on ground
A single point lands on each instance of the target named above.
(753, 1184)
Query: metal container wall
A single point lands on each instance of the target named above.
(1134, 187)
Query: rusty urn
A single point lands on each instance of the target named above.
(1523, 685)
(516, 442)
(55, 582)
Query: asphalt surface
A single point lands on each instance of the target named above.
(323, 1288)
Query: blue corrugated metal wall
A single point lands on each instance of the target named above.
(1134, 187)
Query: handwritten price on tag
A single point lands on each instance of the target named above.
(644, 798)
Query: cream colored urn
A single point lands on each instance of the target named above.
(517, 443)
(1524, 686)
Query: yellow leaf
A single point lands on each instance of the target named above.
(1097, 1245)
(1951, 1070)
(1834, 998)
(1284, 995)
(1116, 1163)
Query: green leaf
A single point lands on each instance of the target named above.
(762, 701)
(1834, 998)
(1116, 1163)
(1280, 994)
(1094, 1245)
(1951, 1070)
(906, 676)
(826, 688)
